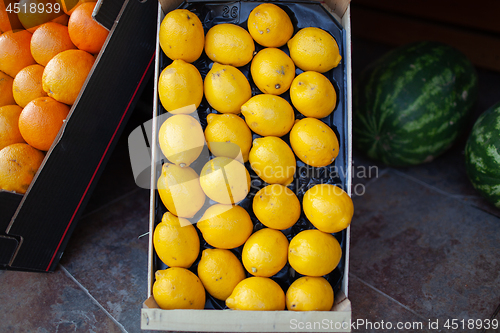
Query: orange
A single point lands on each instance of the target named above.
(28, 85)
(4, 19)
(49, 40)
(63, 19)
(9, 128)
(15, 52)
(8, 21)
(6, 96)
(41, 120)
(84, 31)
(65, 74)
(69, 6)
(34, 13)
(18, 165)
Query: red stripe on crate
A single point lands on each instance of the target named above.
(100, 162)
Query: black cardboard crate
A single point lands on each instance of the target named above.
(35, 228)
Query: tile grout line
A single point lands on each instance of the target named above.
(434, 188)
(372, 180)
(68, 274)
(109, 203)
(387, 296)
(458, 197)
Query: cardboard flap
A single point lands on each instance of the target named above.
(168, 5)
(338, 6)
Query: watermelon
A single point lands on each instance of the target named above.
(413, 103)
(482, 155)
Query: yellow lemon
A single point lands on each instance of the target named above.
(272, 160)
(309, 293)
(314, 253)
(228, 135)
(265, 252)
(176, 241)
(229, 44)
(220, 271)
(226, 88)
(276, 206)
(270, 25)
(178, 288)
(181, 35)
(180, 190)
(257, 294)
(180, 87)
(225, 180)
(314, 142)
(181, 139)
(328, 207)
(313, 95)
(272, 71)
(268, 115)
(314, 49)
(225, 226)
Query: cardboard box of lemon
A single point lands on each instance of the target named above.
(251, 205)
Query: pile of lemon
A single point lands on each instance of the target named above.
(246, 284)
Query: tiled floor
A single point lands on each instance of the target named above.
(424, 247)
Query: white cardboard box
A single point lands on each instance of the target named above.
(336, 320)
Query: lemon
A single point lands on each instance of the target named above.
(270, 25)
(272, 160)
(272, 71)
(313, 95)
(257, 294)
(314, 49)
(181, 35)
(276, 206)
(225, 180)
(225, 226)
(268, 115)
(226, 88)
(229, 44)
(228, 135)
(265, 252)
(180, 190)
(181, 139)
(220, 271)
(314, 253)
(178, 288)
(328, 207)
(176, 241)
(314, 142)
(180, 87)
(309, 293)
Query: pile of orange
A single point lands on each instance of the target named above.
(45, 59)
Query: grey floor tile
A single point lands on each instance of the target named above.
(373, 311)
(106, 256)
(426, 250)
(41, 302)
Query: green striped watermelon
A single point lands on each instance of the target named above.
(482, 155)
(412, 104)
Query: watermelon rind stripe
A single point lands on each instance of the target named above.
(482, 155)
(412, 104)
